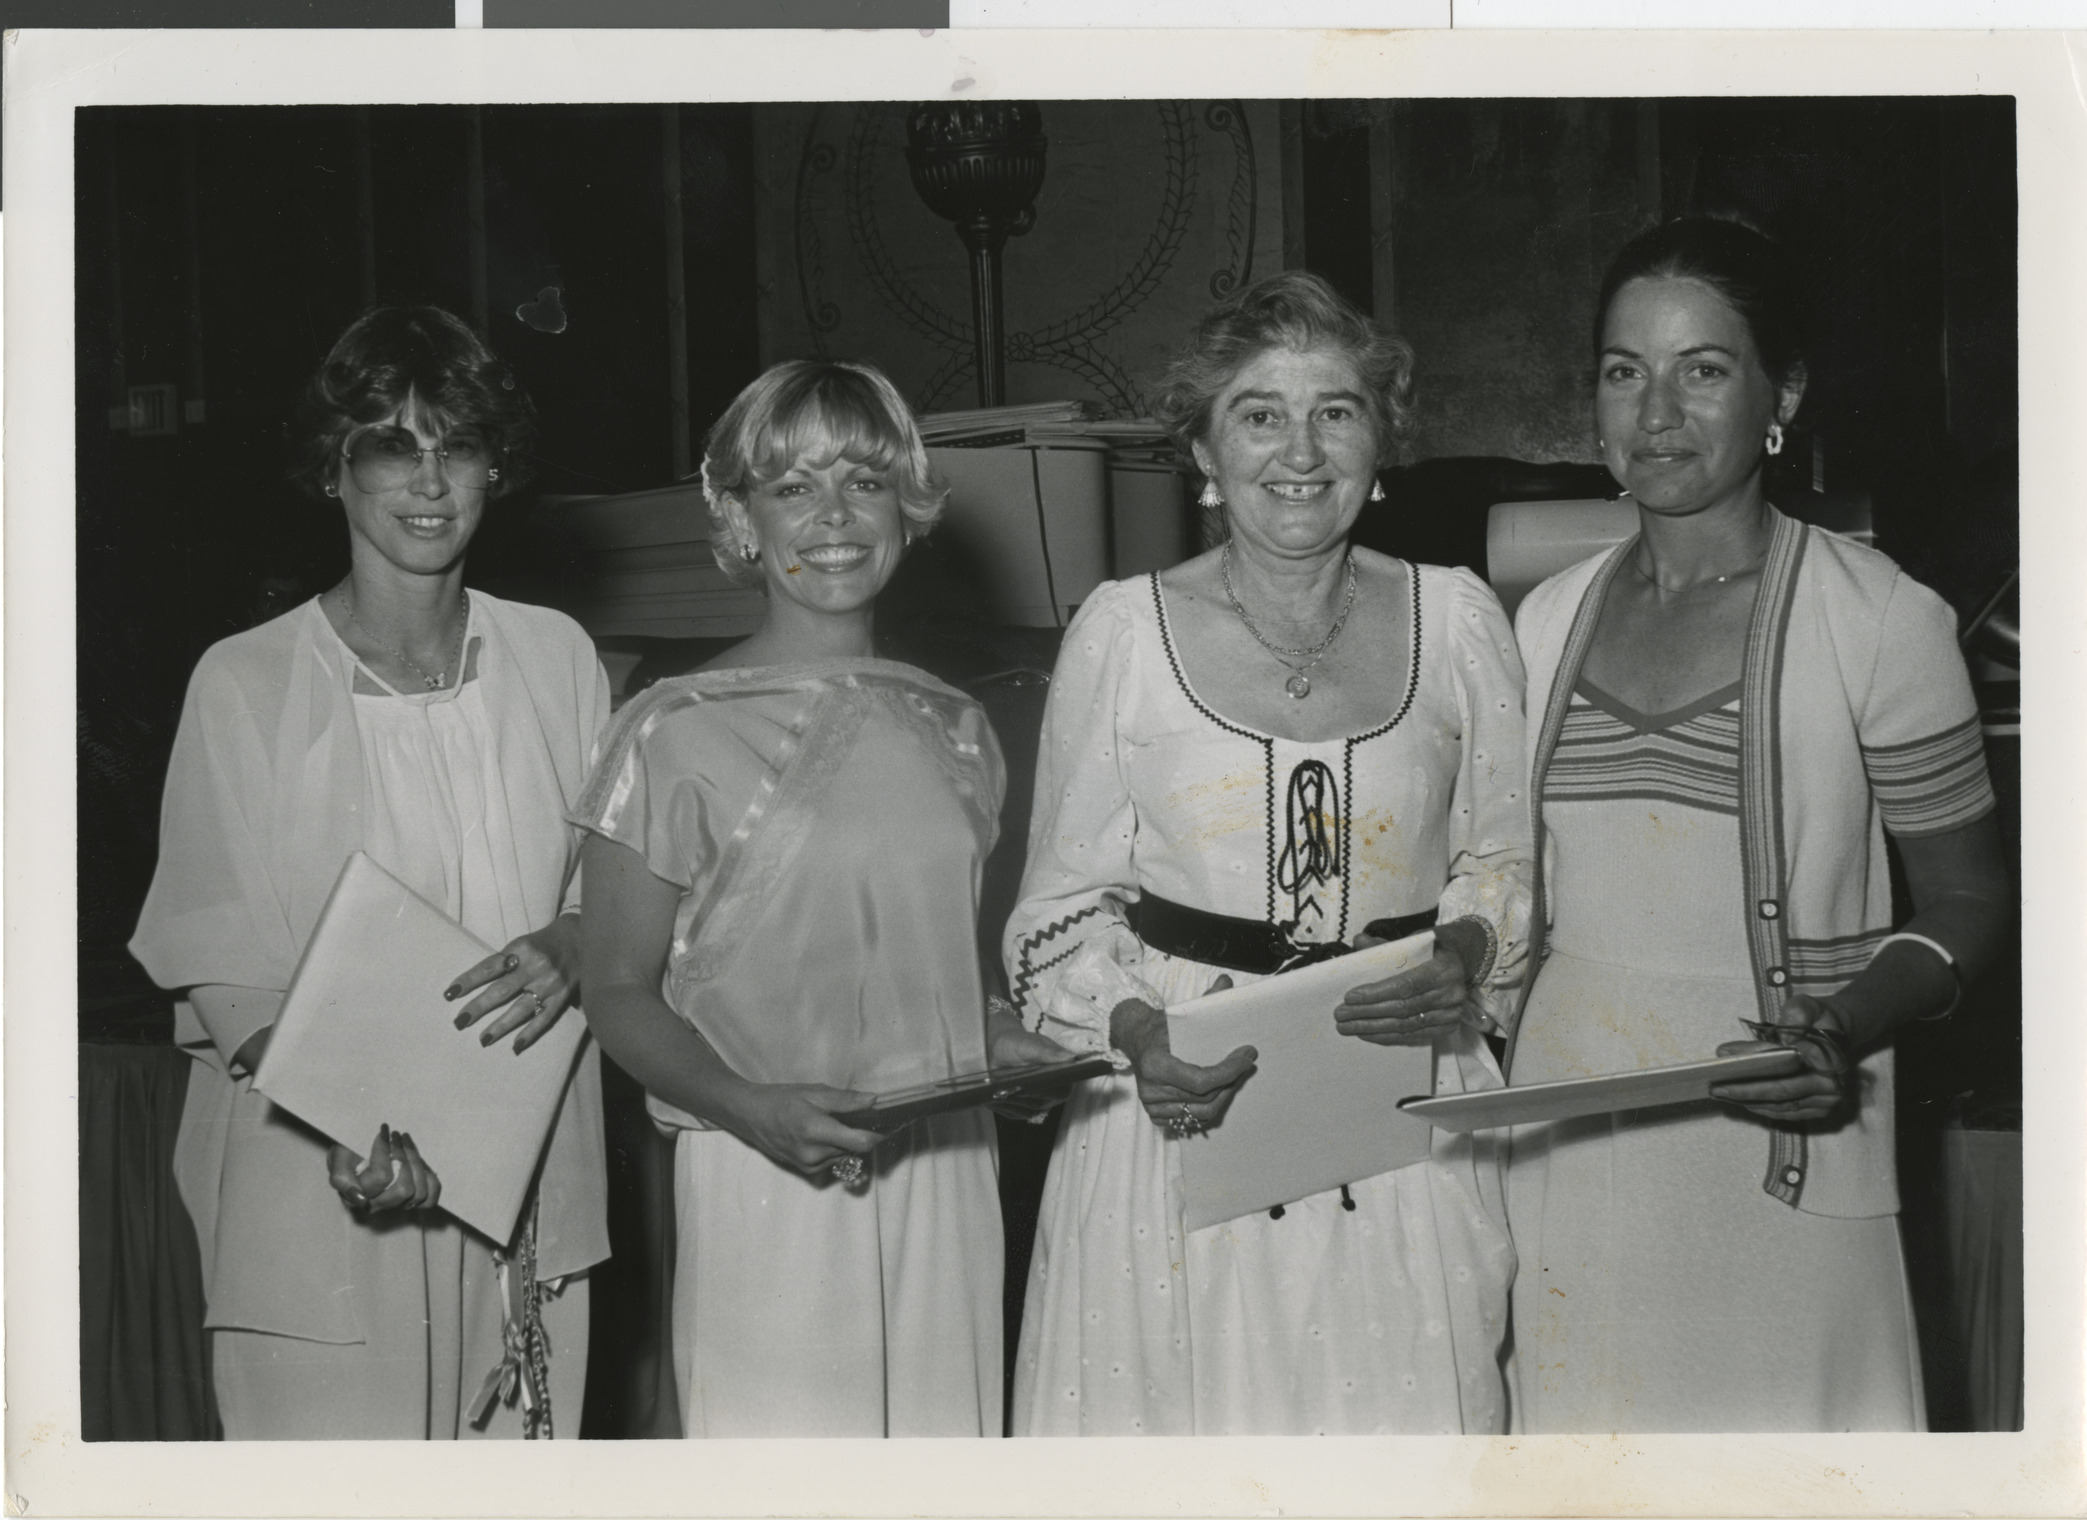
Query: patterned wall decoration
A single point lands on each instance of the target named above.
(1150, 211)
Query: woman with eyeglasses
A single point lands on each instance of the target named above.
(444, 733)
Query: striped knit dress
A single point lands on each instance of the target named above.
(1661, 1289)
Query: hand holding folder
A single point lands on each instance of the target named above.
(1320, 1108)
(366, 1040)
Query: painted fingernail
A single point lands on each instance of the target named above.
(461, 1020)
(449, 994)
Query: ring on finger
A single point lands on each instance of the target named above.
(849, 1171)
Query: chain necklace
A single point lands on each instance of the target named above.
(1716, 580)
(1299, 686)
(440, 678)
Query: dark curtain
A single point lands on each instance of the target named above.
(144, 1368)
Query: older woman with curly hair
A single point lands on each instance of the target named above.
(1256, 756)
(444, 733)
(782, 876)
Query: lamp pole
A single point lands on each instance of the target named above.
(979, 164)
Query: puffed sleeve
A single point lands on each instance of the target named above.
(1071, 956)
(214, 914)
(646, 791)
(1918, 722)
(1491, 862)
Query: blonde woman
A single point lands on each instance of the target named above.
(783, 884)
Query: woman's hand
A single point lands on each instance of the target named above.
(1010, 1046)
(394, 1177)
(793, 1123)
(1813, 1093)
(1409, 1008)
(1177, 1094)
(535, 976)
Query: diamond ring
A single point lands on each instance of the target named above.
(850, 1171)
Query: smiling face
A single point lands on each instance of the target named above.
(422, 523)
(829, 534)
(1292, 450)
(1683, 402)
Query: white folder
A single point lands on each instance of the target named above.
(1614, 1092)
(365, 1038)
(1321, 1108)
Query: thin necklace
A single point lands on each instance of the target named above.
(1299, 686)
(1716, 580)
(440, 678)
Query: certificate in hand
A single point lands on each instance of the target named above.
(1321, 1108)
(1653, 1087)
(1051, 1079)
(365, 1039)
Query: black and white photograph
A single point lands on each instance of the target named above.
(1073, 751)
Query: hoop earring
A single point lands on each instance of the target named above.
(1376, 490)
(1775, 438)
(1210, 498)
(331, 489)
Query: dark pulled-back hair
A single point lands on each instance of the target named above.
(1295, 310)
(392, 354)
(1748, 268)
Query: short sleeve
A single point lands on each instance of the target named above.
(647, 789)
(1922, 747)
(1491, 862)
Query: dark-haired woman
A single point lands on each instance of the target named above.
(1735, 709)
(443, 732)
(1247, 758)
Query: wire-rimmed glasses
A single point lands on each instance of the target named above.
(388, 459)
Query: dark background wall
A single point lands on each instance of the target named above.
(221, 250)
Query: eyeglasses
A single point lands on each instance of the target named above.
(388, 459)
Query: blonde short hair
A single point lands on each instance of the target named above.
(820, 410)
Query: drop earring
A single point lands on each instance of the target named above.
(1775, 438)
(750, 551)
(1210, 498)
(1376, 490)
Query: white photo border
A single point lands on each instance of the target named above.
(49, 1470)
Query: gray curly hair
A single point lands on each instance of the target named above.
(821, 410)
(1295, 310)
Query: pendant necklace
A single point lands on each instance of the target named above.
(1299, 686)
(1716, 580)
(440, 678)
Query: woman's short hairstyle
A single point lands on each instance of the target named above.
(393, 354)
(816, 410)
(1299, 311)
(1748, 268)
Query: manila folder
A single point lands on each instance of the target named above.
(365, 1039)
(1321, 1108)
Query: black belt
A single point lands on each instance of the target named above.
(1245, 944)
